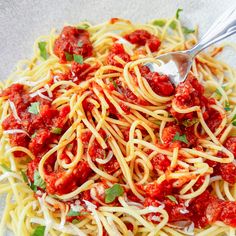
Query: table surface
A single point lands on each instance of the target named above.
(21, 22)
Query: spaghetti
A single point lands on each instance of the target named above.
(94, 143)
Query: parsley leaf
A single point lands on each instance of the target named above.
(33, 187)
(33, 135)
(234, 120)
(177, 12)
(34, 108)
(24, 177)
(159, 22)
(80, 43)
(75, 221)
(56, 130)
(83, 26)
(112, 193)
(78, 58)
(5, 168)
(73, 213)
(218, 92)
(227, 106)
(189, 122)
(172, 198)
(39, 231)
(69, 57)
(187, 30)
(38, 181)
(43, 50)
(173, 25)
(114, 83)
(181, 138)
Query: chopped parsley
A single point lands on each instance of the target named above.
(75, 221)
(80, 43)
(83, 26)
(173, 25)
(227, 106)
(172, 198)
(187, 30)
(112, 193)
(177, 12)
(24, 177)
(56, 130)
(33, 135)
(181, 138)
(73, 213)
(39, 231)
(78, 58)
(218, 92)
(43, 50)
(69, 57)
(159, 22)
(34, 108)
(190, 122)
(5, 168)
(38, 181)
(234, 120)
(114, 83)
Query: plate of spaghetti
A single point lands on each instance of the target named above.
(94, 143)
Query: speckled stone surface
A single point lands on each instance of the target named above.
(22, 21)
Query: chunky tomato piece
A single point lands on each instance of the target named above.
(79, 71)
(228, 172)
(38, 126)
(117, 50)
(141, 37)
(62, 182)
(112, 166)
(32, 167)
(212, 118)
(177, 211)
(169, 133)
(158, 191)
(72, 41)
(189, 93)
(228, 213)
(230, 144)
(160, 162)
(160, 84)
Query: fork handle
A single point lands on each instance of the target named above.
(222, 28)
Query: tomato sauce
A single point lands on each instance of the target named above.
(73, 41)
(142, 37)
(117, 50)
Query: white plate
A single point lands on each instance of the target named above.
(21, 22)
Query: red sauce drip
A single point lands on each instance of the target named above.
(73, 41)
(142, 37)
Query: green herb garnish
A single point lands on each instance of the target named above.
(73, 213)
(190, 122)
(43, 50)
(80, 43)
(69, 57)
(173, 25)
(112, 193)
(78, 58)
(83, 26)
(38, 181)
(5, 168)
(56, 130)
(39, 231)
(187, 30)
(159, 22)
(24, 176)
(177, 12)
(172, 198)
(114, 83)
(227, 106)
(181, 138)
(34, 108)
